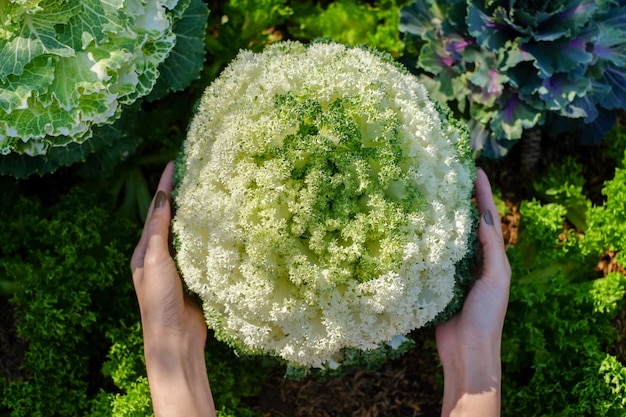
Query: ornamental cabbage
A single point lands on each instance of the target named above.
(67, 66)
(323, 203)
(512, 66)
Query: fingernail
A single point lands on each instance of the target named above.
(159, 200)
(488, 217)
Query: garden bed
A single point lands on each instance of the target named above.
(70, 340)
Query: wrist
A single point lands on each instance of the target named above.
(473, 368)
(159, 340)
(472, 381)
(174, 358)
(178, 379)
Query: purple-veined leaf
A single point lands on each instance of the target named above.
(614, 18)
(615, 78)
(567, 22)
(446, 68)
(560, 56)
(558, 90)
(435, 60)
(488, 82)
(587, 106)
(484, 142)
(513, 116)
(455, 45)
(581, 108)
(610, 46)
(489, 33)
(418, 18)
(515, 56)
(526, 18)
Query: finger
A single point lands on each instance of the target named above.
(490, 230)
(484, 195)
(165, 186)
(486, 204)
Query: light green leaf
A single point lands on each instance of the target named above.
(148, 17)
(73, 79)
(36, 37)
(36, 121)
(89, 24)
(114, 8)
(155, 53)
(36, 79)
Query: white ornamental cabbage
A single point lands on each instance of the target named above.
(323, 203)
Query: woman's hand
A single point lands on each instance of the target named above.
(469, 343)
(173, 324)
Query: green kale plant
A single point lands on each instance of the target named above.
(242, 24)
(246, 24)
(511, 66)
(69, 260)
(559, 338)
(564, 184)
(555, 344)
(606, 225)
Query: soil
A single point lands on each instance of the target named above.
(408, 386)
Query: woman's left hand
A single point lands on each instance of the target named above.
(174, 329)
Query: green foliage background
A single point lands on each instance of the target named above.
(559, 338)
(66, 240)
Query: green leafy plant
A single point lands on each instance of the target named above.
(555, 359)
(68, 67)
(511, 66)
(563, 184)
(559, 338)
(352, 22)
(323, 204)
(242, 24)
(69, 261)
(607, 223)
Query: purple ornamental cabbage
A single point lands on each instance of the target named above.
(510, 66)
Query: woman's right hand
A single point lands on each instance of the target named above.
(469, 343)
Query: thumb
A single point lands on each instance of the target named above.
(157, 231)
(157, 222)
(494, 262)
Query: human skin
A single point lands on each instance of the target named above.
(175, 332)
(469, 343)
